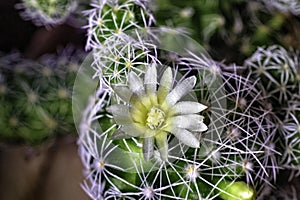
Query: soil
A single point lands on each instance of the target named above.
(47, 172)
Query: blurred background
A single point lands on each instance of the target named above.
(39, 164)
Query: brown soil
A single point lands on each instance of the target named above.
(52, 171)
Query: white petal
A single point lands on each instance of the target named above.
(188, 107)
(148, 147)
(162, 144)
(136, 84)
(201, 127)
(120, 113)
(119, 134)
(123, 92)
(186, 137)
(133, 129)
(165, 85)
(150, 80)
(117, 108)
(191, 122)
(180, 90)
(141, 102)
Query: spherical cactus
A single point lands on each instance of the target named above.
(36, 99)
(237, 146)
(278, 71)
(49, 12)
(107, 18)
(118, 57)
(168, 122)
(290, 133)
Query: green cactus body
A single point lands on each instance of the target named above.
(236, 190)
(49, 12)
(37, 101)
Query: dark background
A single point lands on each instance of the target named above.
(52, 170)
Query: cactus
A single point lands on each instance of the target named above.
(117, 169)
(292, 6)
(218, 23)
(36, 98)
(277, 73)
(139, 139)
(112, 18)
(49, 12)
(162, 119)
(230, 151)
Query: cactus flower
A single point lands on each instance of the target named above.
(152, 113)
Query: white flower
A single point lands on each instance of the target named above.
(152, 114)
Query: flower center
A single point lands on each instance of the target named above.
(155, 118)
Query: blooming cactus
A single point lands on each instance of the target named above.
(152, 113)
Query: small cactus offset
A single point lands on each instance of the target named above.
(36, 98)
(47, 12)
(110, 18)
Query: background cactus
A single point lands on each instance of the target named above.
(291, 6)
(219, 25)
(50, 12)
(276, 70)
(36, 98)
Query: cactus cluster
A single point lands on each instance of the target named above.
(277, 71)
(229, 162)
(35, 98)
(220, 23)
(166, 121)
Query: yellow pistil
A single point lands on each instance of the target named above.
(155, 118)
